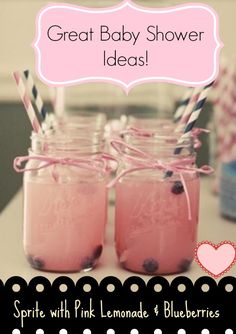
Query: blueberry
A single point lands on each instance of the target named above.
(150, 265)
(97, 252)
(87, 263)
(185, 264)
(177, 188)
(35, 262)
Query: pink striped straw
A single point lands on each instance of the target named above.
(217, 96)
(224, 116)
(27, 103)
(189, 109)
(220, 85)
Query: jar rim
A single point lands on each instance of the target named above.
(56, 142)
(161, 136)
(161, 146)
(58, 137)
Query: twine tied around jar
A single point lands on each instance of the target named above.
(99, 164)
(143, 161)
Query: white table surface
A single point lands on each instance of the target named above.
(13, 263)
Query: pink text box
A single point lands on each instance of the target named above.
(127, 44)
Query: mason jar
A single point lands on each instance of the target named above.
(65, 202)
(157, 204)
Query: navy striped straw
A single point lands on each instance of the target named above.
(36, 96)
(192, 120)
(194, 115)
(182, 105)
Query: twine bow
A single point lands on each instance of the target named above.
(98, 164)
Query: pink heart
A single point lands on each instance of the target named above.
(216, 259)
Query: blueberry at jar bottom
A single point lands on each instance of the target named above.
(85, 263)
(65, 201)
(151, 265)
(154, 234)
(64, 228)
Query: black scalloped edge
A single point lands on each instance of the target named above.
(217, 296)
(129, 331)
(213, 284)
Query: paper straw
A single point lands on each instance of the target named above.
(57, 96)
(194, 115)
(232, 121)
(220, 101)
(60, 101)
(189, 109)
(223, 115)
(36, 96)
(183, 104)
(27, 103)
(219, 98)
(219, 85)
(192, 120)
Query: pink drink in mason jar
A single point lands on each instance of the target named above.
(153, 232)
(65, 206)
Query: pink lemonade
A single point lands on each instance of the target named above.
(153, 233)
(64, 223)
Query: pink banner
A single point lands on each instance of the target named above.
(127, 45)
